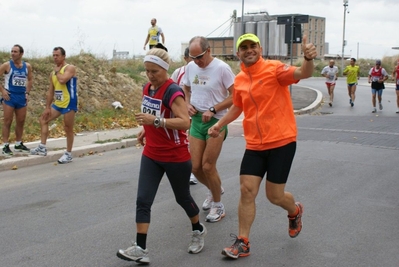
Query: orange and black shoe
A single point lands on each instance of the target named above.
(295, 223)
(240, 248)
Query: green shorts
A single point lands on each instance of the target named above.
(199, 129)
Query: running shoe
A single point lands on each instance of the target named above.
(240, 248)
(197, 241)
(39, 150)
(193, 180)
(397, 111)
(208, 201)
(380, 106)
(21, 148)
(207, 205)
(216, 213)
(134, 253)
(330, 103)
(66, 158)
(352, 104)
(295, 223)
(374, 110)
(350, 101)
(7, 151)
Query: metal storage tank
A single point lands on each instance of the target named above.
(238, 31)
(283, 47)
(263, 34)
(273, 45)
(250, 27)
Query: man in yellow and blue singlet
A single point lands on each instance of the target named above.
(153, 34)
(61, 99)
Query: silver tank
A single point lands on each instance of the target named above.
(262, 32)
(238, 31)
(283, 47)
(273, 45)
(250, 27)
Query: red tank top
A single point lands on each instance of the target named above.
(162, 144)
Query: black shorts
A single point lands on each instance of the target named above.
(275, 162)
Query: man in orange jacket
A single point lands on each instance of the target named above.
(261, 92)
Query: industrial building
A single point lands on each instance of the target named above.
(271, 35)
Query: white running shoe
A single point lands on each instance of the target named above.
(374, 110)
(197, 241)
(207, 205)
(39, 150)
(216, 213)
(193, 180)
(66, 158)
(208, 201)
(134, 253)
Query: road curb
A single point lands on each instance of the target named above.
(53, 156)
(312, 107)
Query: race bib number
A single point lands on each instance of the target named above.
(59, 96)
(155, 38)
(151, 106)
(19, 81)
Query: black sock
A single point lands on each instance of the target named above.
(141, 240)
(197, 226)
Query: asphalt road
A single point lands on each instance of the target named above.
(345, 173)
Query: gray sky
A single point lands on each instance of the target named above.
(101, 26)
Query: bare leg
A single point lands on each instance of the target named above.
(249, 186)
(69, 120)
(20, 115)
(8, 114)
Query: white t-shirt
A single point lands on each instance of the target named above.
(331, 72)
(209, 85)
(178, 76)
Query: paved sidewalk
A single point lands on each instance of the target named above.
(304, 99)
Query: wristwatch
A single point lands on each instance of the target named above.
(157, 122)
(213, 110)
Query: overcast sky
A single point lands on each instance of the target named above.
(101, 26)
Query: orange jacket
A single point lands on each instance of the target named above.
(261, 91)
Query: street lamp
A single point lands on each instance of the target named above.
(343, 37)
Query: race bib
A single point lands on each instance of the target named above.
(155, 38)
(59, 96)
(151, 106)
(397, 81)
(19, 81)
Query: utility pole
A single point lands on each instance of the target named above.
(242, 18)
(343, 38)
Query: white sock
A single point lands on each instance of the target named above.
(217, 204)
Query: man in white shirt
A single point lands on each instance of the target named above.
(208, 85)
(330, 72)
(177, 77)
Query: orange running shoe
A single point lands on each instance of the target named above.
(295, 223)
(240, 248)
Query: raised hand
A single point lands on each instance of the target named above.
(308, 49)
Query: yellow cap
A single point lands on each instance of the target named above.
(247, 37)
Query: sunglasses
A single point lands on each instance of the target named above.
(199, 56)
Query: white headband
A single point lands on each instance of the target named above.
(156, 60)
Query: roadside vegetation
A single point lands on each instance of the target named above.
(101, 82)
